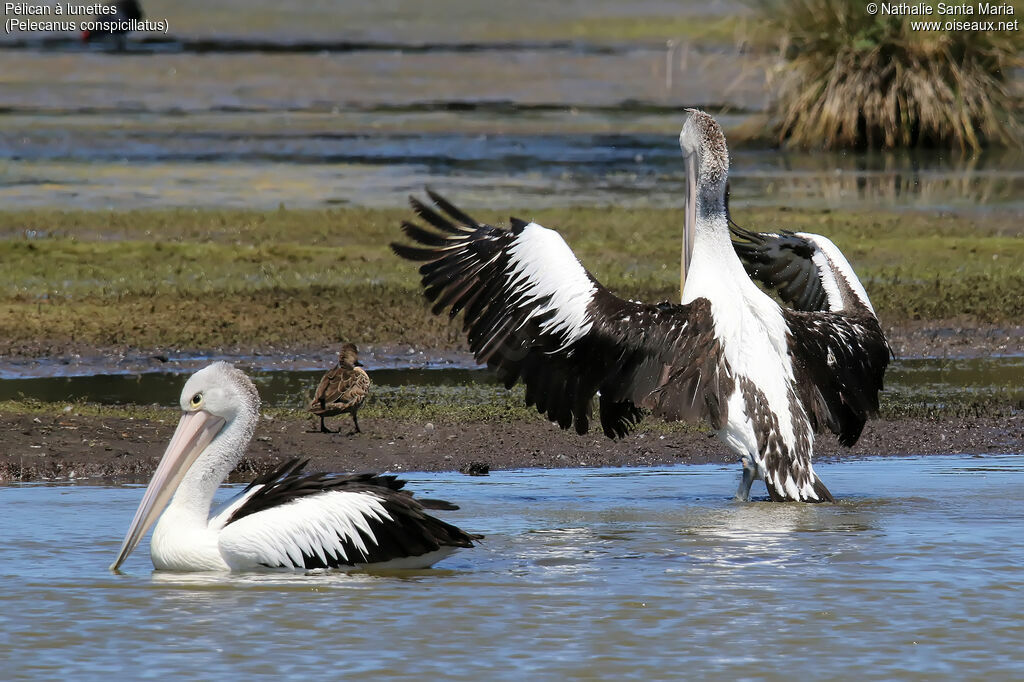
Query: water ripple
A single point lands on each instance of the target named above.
(631, 573)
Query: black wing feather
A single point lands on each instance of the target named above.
(451, 209)
(410, 531)
(782, 262)
(839, 361)
(428, 214)
(661, 357)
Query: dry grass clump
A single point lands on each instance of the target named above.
(853, 80)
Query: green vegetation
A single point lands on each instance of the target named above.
(708, 30)
(38, 407)
(859, 80)
(493, 404)
(469, 403)
(498, 406)
(303, 279)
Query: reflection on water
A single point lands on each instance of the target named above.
(517, 127)
(137, 168)
(937, 180)
(626, 573)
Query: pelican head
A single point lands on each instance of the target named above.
(216, 401)
(707, 170)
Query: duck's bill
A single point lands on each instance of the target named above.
(195, 431)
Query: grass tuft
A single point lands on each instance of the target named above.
(856, 80)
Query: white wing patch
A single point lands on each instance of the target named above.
(221, 514)
(829, 259)
(543, 265)
(827, 276)
(317, 525)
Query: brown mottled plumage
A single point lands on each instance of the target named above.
(342, 390)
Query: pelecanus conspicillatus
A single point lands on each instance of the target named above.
(765, 377)
(342, 390)
(285, 519)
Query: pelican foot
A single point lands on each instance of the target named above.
(749, 475)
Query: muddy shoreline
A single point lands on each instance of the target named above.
(68, 445)
(76, 447)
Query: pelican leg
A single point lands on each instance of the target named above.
(749, 476)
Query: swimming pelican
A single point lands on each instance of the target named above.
(285, 519)
(342, 390)
(765, 377)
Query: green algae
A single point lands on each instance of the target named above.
(201, 279)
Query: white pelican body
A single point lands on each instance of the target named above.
(752, 335)
(765, 377)
(285, 519)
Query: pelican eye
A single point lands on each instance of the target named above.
(197, 400)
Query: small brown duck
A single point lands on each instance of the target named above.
(342, 390)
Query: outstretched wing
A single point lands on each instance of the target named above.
(533, 313)
(839, 351)
(838, 363)
(289, 518)
(807, 270)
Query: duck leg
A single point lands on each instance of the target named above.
(323, 428)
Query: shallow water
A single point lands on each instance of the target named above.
(929, 379)
(625, 573)
(145, 168)
(512, 126)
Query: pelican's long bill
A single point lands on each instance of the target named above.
(689, 220)
(195, 431)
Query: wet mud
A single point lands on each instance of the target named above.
(71, 446)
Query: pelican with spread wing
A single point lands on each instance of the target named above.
(765, 377)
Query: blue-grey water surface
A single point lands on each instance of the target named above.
(601, 573)
(513, 126)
